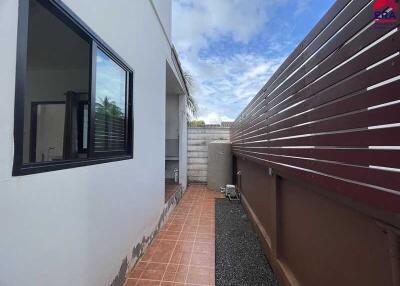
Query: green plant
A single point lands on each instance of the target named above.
(108, 108)
(196, 123)
(191, 104)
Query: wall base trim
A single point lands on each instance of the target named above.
(139, 249)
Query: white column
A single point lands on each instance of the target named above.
(182, 141)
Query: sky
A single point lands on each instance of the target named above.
(232, 47)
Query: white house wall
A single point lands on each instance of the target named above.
(164, 10)
(172, 117)
(76, 226)
(183, 142)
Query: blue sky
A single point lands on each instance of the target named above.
(232, 47)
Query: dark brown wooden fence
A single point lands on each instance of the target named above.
(330, 115)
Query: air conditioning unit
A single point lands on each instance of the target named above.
(231, 192)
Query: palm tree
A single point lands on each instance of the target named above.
(111, 121)
(191, 104)
(107, 107)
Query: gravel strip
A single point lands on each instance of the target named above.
(239, 257)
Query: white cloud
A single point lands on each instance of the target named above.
(196, 22)
(225, 84)
(302, 6)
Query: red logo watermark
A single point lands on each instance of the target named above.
(386, 11)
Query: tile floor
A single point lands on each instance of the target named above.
(183, 252)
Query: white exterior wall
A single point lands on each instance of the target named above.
(75, 226)
(198, 139)
(183, 142)
(164, 9)
(172, 109)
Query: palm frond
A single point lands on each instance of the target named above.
(191, 103)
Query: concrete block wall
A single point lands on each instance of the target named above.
(198, 139)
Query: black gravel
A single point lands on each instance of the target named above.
(239, 257)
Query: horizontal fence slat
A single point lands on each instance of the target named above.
(380, 116)
(330, 114)
(356, 101)
(370, 35)
(363, 138)
(362, 174)
(337, 7)
(341, 86)
(354, 156)
(333, 41)
(341, 55)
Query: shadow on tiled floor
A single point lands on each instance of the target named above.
(170, 189)
(183, 252)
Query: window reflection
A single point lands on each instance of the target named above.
(110, 105)
(57, 82)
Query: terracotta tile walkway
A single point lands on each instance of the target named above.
(183, 252)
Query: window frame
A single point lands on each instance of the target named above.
(81, 118)
(92, 103)
(69, 18)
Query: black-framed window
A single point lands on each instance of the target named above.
(73, 103)
(110, 105)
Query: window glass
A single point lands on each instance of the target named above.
(58, 69)
(73, 101)
(110, 105)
